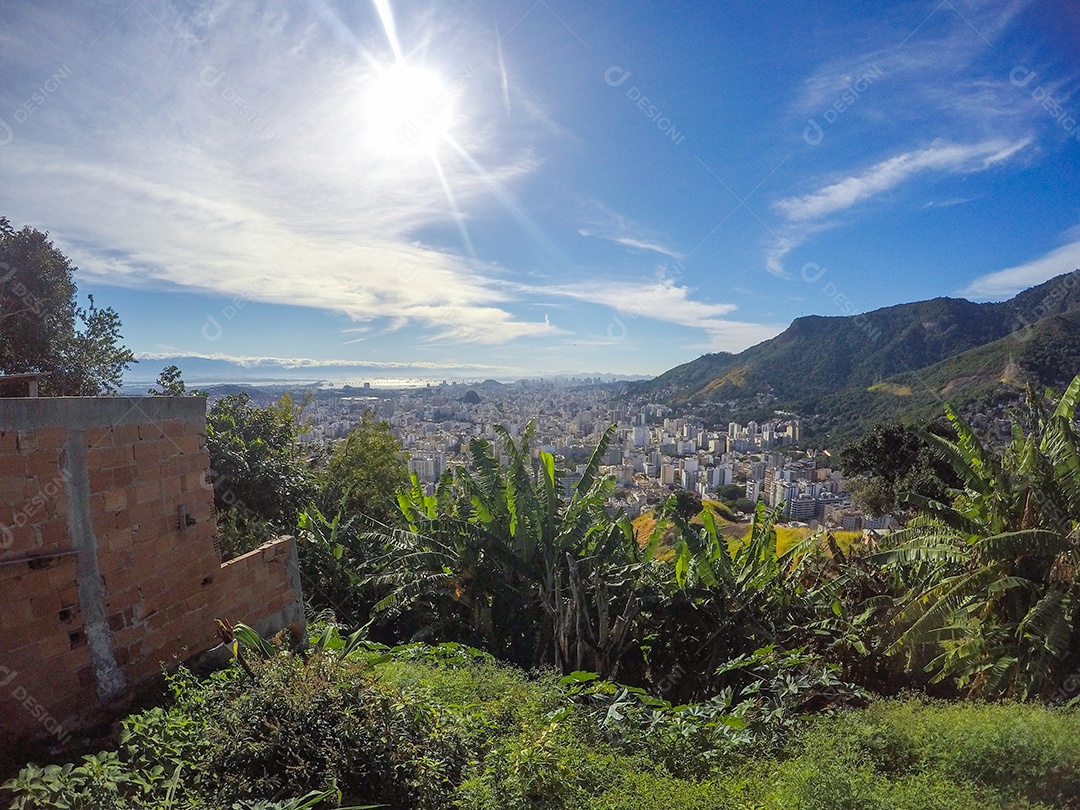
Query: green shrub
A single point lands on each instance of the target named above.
(303, 726)
(1022, 751)
(447, 726)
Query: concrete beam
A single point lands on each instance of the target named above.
(21, 413)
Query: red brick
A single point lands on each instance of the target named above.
(189, 445)
(147, 491)
(124, 475)
(44, 611)
(116, 567)
(123, 598)
(101, 479)
(20, 540)
(54, 535)
(44, 465)
(61, 575)
(9, 442)
(130, 639)
(169, 450)
(53, 645)
(189, 481)
(175, 428)
(99, 437)
(125, 435)
(119, 540)
(69, 596)
(147, 452)
(11, 489)
(123, 520)
(14, 611)
(115, 499)
(108, 456)
(55, 436)
(76, 659)
(170, 485)
(150, 431)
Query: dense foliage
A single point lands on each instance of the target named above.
(43, 327)
(260, 480)
(1001, 606)
(892, 460)
(437, 727)
(365, 472)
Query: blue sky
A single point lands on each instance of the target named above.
(478, 189)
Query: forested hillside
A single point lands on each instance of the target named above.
(895, 362)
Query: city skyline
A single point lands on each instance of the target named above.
(511, 190)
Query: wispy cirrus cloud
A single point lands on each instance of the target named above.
(888, 174)
(927, 67)
(603, 223)
(1011, 280)
(666, 301)
(817, 211)
(925, 80)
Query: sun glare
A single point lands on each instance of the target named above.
(408, 111)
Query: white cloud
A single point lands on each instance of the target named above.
(818, 211)
(254, 361)
(890, 173)
(246, 172)
(666, 301)
(1006, 283)
(603, 223)
(902, 89)
(908, 80)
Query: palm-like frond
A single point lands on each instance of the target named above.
(1014, 545)
(1004, 617)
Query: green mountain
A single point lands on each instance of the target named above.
(897, 362)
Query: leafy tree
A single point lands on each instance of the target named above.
(170, 384)
(42, 328)
(744, 505)
(1001, 611)
(731, 492)
(687, 504)
(364, 473)
(260, 481)
(892, 459)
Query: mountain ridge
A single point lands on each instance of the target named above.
(819, 358)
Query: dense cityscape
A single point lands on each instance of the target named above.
(652, 452)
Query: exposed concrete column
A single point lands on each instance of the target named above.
(111, 682)
(295, 616)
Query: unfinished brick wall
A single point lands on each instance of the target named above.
(108, 566)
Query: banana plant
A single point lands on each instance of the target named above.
(531, 576)
(1000, 613)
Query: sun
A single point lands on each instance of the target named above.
(408, 111)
